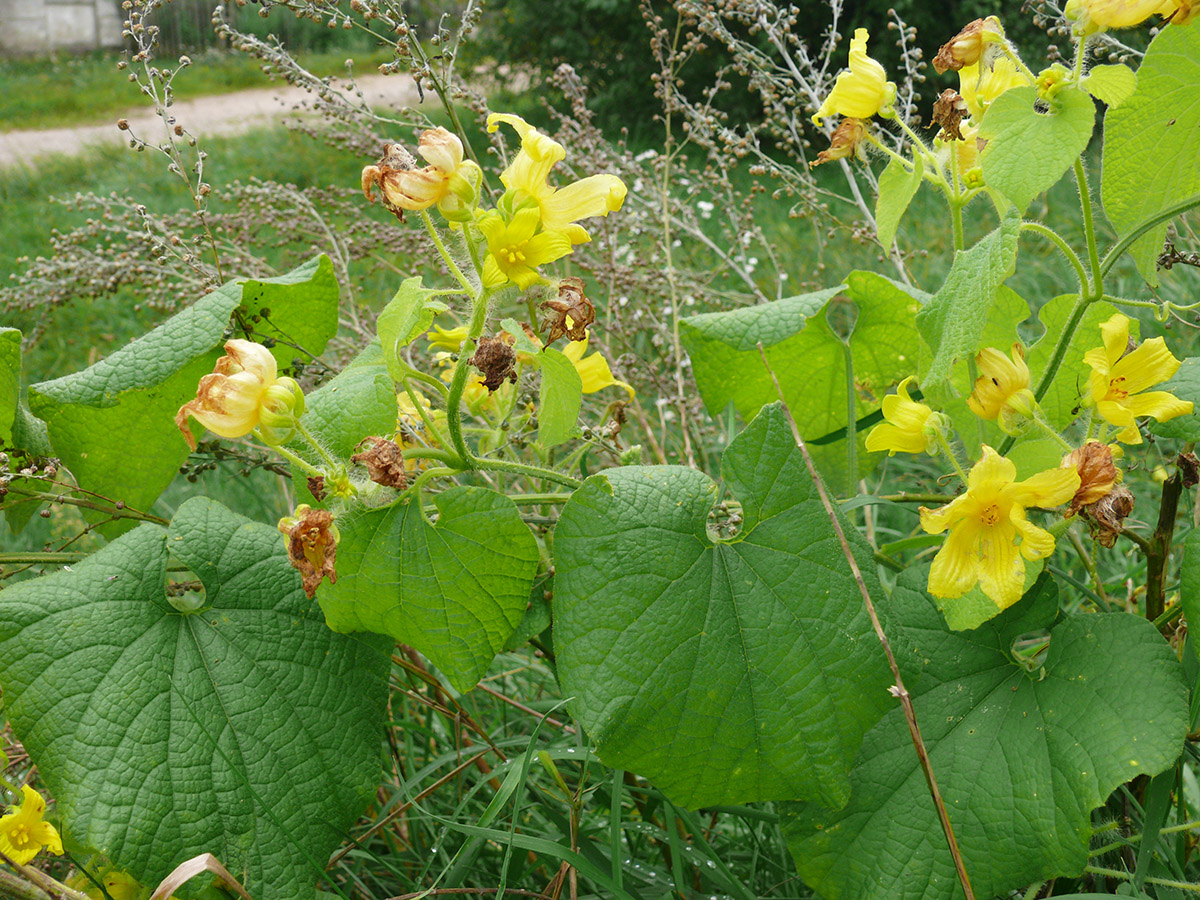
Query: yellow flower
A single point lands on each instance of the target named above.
(985, 523)
(1001, 392)
(1098, 15)
(593, 371)
(514, 251)
(911, 427)
(980, 88)
(448, 180)
(1119, 380)
(1180, 12)
(561, 208)
(448, 339)
(863, 90)
(243, 393)
(23, 833)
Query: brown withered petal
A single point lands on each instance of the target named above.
(843, 142)
(395, 160)
(949, 109)
(384, 461)
(495, 359)
(964, 49)
(1097, 474)
(1107, 515)
(571, 303)
(312, 548)
(316, 486)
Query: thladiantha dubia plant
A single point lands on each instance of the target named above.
(930, 607)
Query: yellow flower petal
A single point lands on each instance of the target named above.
(1047, 489)
(597, 195)
(1150, 364)
(862, 90)
(1036, 543)
(23, 834)
(1001, 379)
(991, 472)
(955, 569)
(1001, 568)
(1161, 405)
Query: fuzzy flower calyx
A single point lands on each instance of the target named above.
(860, 91)
(1001, 392)
(1120, 378)
(243, 393)
(966, 47)
(23, 834)
(985, 524)
(527, 176)
(911, 427)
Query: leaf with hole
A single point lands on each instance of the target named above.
(725, 669)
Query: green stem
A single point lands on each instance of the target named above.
(501, 465)
(446, 456)
(40, 559)
(108, 509)
(945, 445)
(1055, 238)
(1051, 431)
(316, 445)
(1012, 54)
(1096, 289)
(1090, 565)
(302, 464)
(446, 257)
(1160, 544)
(19, 889)
(426, 419)
(1125, 876)
(459, 383)
(538, 499)
(1079, 56)
(435, 383)
(956, 219)
(1111, 257)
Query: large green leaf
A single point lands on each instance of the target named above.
(1111, 85)
(246, 729)
(724, 670)
(1028, 150)
(113, 423)
(1151, 155)
(1022, 757)
(10, 380)
(455, 590)
(809, 357)
(952, 322)
(1186, 386)
(359, 401)
(297, 310)
(559, 400)
(897, 186)
(407, 314)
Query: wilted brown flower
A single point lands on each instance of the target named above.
(949, 109)
(966, 47)
(1097, 474)
(384, 462)
(495, 359)
(1107, 515)
(311, 545)
(570, 313)
(843, 142)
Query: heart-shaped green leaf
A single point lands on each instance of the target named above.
(455, 590)
(246, 729)
(1022, 757)
(724, 670)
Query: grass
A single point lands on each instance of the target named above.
(56, 92)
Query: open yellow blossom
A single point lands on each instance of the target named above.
(1001, 392)
(1099, 15)
(243, 393)
(515, 251)
(561, 208)
(447, 339)
(23, 834)
(911, 427)
(860, 91)
(985, 524)
(980, 84)
(1119, 380)
(593, 371)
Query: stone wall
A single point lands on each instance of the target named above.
(42, 26)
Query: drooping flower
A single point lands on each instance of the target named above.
(966, 47)
(1097, 473)
(980, 84)
(911, 427)
(243, 393)
(516, 248)
(561, 208)
(593, 370)
(1001, 392)
(311, 545)
(448, 180)
(23, 834)
(860, 91)
(844, 142)
(1098, 15)
(985, 524)
(1119, 380)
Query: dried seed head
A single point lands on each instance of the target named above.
(384, 461)
(495, 359)
(311, 545)
(948, 111)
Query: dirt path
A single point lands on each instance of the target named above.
(205, 117)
